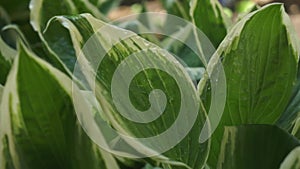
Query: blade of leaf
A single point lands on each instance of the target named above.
(38, 117)
(292, 161)
(260, 61)
(248, 146)
(188, 151)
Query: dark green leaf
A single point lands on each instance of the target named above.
(7, 55)
(255, 146)
(210, 18)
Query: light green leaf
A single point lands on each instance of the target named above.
(210, 18)
(38, 120)
(296, 129)
(260, 61)
(1, 92)
(292, 161)
(248, 146)
(189, 153)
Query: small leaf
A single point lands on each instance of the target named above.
(296, 129)
(177, 7)
(210, 18)
(255, 146)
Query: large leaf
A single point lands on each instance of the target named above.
(292, 161)
(7, 55)
(39, 128)
(260, 61)
(189, 152)
(210, 18)
(255, 146)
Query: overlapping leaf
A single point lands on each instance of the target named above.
(260, 61)
(248, 146)
(188, 152)
(210, 18)
(292, 161)
(296, 129)
(39, 128)
(289, 116)
(7, 55)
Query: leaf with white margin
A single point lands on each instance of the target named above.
(260, 57)
(7, 54)
(41, 11)
(189, 153)
(292, 161)
(39, 127)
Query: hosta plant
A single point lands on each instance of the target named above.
(55, 97)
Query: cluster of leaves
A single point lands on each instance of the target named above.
(39, 44)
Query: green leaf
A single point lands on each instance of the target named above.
(7, 55)
(105, 6)
(210, 18)
(189, 152)
(41, 10)
(137, 26)
(296, 129)
(56, 41)
(255, 146)
(177, 7)
(148, 166)
(289, 116)
(181, 50)
(1, 93)
(260, 61)
(39, 120)
(292, 161)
